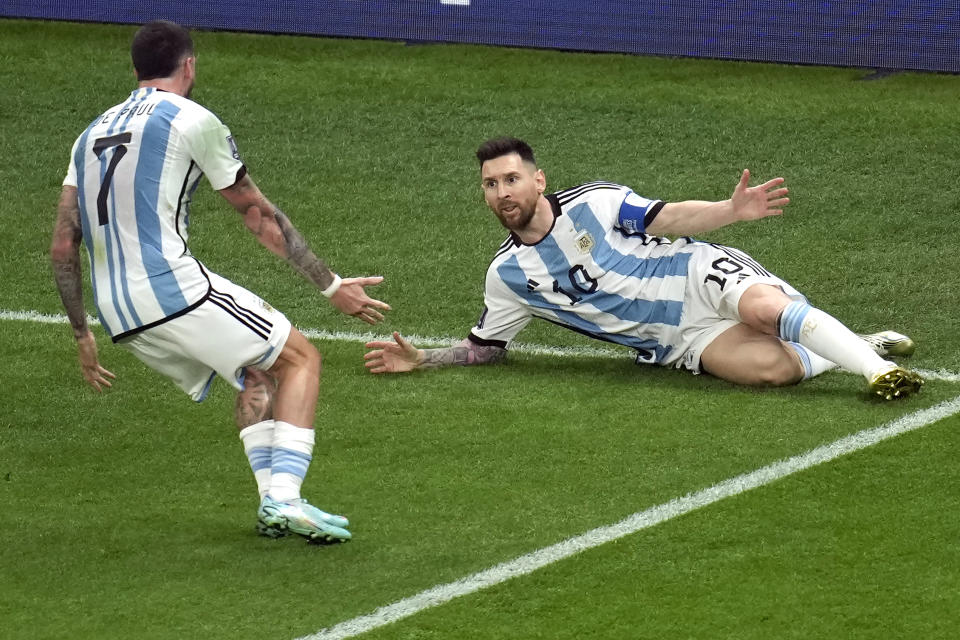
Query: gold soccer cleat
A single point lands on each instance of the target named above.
(895, 382)
(890, 343)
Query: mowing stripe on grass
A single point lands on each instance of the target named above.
(530, 562)
(349, 336)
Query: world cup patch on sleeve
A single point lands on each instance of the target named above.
(233, 148)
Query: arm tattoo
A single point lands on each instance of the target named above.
(67, 272)
(299, 255)
(462, 354)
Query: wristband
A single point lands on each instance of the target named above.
(334, 286)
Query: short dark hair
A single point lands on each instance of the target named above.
(496, 147)
(158, 47)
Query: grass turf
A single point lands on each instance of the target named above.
(131, 513)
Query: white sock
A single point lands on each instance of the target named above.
(258, 445)
(827, 337)
(813, 365)
(292, 449)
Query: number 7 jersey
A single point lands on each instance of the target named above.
(135, 169)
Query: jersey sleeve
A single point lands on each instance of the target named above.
(504, 315)
(213, 149)
(637, 212)
(71, 178)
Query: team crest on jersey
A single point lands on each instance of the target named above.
(266, 306)
(584, 242)
(233, 147)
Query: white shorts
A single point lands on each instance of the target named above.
(230, 330)
(716, 280)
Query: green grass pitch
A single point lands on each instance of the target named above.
(130, 514)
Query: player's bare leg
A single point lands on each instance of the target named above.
(297, 372)
(254, 418)
(743, 355)
(815, 333)
(297, 375)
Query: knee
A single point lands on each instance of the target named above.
(309, 359)
(298, 357)
(760, 307)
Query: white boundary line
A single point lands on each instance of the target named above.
(350, 336)
(441, 594)
(530, 562)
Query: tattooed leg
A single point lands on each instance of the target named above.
(255, 402)
(254, 417)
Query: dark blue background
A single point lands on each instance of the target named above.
(887, 34)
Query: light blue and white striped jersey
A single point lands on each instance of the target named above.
(596, 272)
(135, 169)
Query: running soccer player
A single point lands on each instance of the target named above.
(126, 197)
(594, 259)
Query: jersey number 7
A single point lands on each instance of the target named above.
(99, 146)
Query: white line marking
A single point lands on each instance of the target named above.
(678, 506)
(350, 336)
(530, 562)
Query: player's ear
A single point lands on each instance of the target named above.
(541, 179)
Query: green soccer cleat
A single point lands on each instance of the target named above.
(890, 343)
(275, 519)
(895, 382)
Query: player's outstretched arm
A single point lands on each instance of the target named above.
(65, 256)
(698, 216)
(399, 355)
(273, 230)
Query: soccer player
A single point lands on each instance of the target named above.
(594, 259)
(126, 197)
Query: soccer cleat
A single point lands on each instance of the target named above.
(890, 343)
(895, 382)
(267, 531)
(275, 519)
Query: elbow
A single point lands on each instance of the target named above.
(63, 250)
(59, 252)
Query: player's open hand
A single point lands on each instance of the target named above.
(95, 375)
(752, 203)
(352, 300)
(391, 357)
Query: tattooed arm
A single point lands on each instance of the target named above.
(273, 230)
(399, 356)
(65, 256)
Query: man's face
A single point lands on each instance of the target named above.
(512, 188)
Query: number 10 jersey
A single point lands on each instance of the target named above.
(598, 273)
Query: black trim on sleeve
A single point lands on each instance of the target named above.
(242, 171)
(486, 343)
(652, 213)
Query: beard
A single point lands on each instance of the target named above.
(516, 219)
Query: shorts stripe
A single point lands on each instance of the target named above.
(264, 323)
(742, 257)
(239, 311)
(230, 309)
